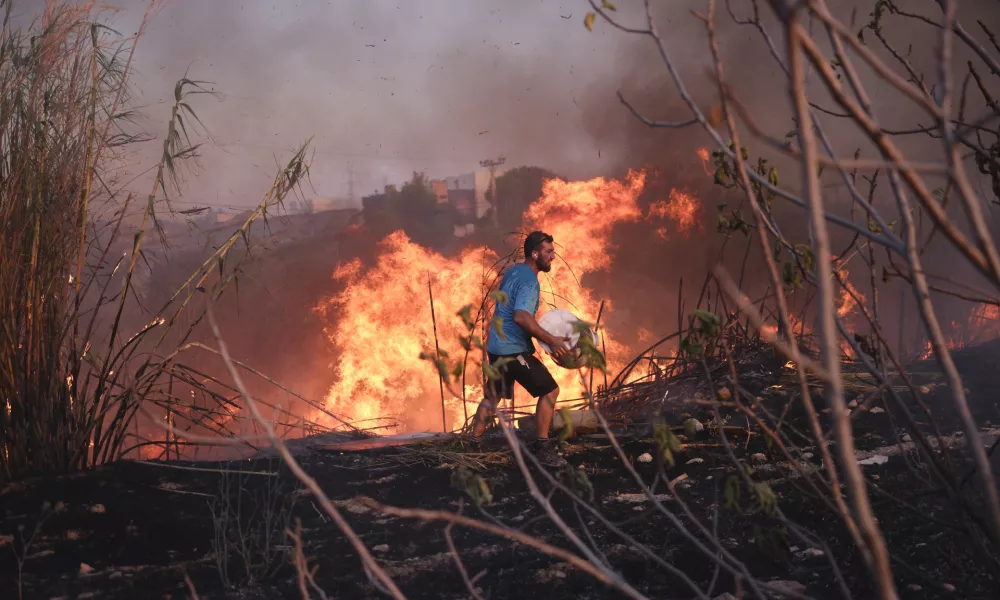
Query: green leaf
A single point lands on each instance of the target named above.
(588, 21)
(732, 493)
(767, 500)
(474, 486)
(723, 224)
(490, 372)
(791, 276)
(442, 368)
(466, 314)
(502, 362)
(690, 347)
(720, 176)
(808, 258)
(500, 297)
(706, 317)
(567, 430)
(661, 436)
(576, 480)
(498, 328)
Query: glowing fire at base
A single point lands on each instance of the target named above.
(380, 323)
(982, 324)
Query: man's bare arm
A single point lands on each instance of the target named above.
(527, 322)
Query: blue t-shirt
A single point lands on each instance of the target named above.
(521, 285)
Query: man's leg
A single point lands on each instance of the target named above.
(544, 411)
(496, 390)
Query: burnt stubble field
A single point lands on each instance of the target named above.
(149, 530)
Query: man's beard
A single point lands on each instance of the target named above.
(544, 267)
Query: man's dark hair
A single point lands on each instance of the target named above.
(533, 241)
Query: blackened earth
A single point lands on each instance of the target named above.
(133, 530)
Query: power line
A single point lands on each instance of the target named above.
(492, 164)
(344, 154)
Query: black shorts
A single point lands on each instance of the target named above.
(531, 374)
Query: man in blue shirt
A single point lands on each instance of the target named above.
(519, 326)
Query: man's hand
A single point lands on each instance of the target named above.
(558, 346)
(527, 322)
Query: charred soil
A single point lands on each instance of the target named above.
(135, 530)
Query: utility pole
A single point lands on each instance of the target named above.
(350, 183)
(492, 164)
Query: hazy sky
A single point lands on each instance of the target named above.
(385, 87)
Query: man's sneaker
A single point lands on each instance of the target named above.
(547, 452)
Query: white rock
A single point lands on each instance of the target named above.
(694, 424)
(381, 548)
(695, 461)
(876, 459)
(876, 410)
(758, 457)
(948, 587)
(809, 553)
(807, 455)
(645, 458)
(913, 588)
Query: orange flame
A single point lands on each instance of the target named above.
(682, 208)
(982, 324)
(703, 157)
(847, 303)
(380, 322)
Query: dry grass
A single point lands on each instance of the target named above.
(72, 379)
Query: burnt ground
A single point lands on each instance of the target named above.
(133, 530)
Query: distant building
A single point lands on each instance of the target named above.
(479, 183)
(464, 203)
(324, 204)
(440, 189)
